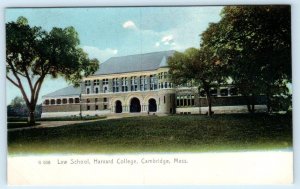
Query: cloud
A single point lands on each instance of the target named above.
(129, 25)
(100, 54)
(157, 44)
(167, 39)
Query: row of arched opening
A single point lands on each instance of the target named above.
(135, 105)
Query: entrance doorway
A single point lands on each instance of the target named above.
(135, 105)
(152, 105)
(118, 106)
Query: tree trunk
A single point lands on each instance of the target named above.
(253, 99)
(31, 116)
(269, 107)
(208, 98)
(246, 97)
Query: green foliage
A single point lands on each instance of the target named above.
(18, 108)
(33, 53)
(17, 102)
(200, 67)
(255, 43)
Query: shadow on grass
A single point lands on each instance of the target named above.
(13, 125)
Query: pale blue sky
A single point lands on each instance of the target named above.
(107, 32)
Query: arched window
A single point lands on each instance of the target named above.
(46, 102)
(233, 91)
(224, 92)
(71, 101)
(58, 101)
(64, 101)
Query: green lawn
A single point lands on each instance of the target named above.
(178, 133)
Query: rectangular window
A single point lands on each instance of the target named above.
(105, 81)
(165, 75)
(178, 102)
(153, 82)
(143, 83)
(105, 107)
(96, 100)
(115, 85)
(87, 100)
(134, 83)
(76, 100)
(164, 99)
(124, 84)
(96, 82)
(104, 99)
(166, 85)
(96, 107)
(87, 82)
(88, 107)
(193, 100)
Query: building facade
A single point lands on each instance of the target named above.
(137, 84)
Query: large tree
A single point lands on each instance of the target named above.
(32, 54)
(255, 43)
(201, 67)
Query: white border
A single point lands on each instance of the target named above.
(48, 3)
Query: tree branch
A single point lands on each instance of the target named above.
(12, 81)
(19, 84)
(16, 71)
(38, 91)
(28, 79)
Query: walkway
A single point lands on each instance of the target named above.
(49, 124)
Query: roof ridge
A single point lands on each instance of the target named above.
(128, 63)
(138, 54)
(61, 89)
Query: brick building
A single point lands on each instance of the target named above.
(138, 84)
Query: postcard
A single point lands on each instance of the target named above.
(149, 95)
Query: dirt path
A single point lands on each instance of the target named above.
(49, 124)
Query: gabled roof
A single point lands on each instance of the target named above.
(67, 91)
(135, 63)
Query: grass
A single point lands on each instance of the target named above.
(178, 133)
